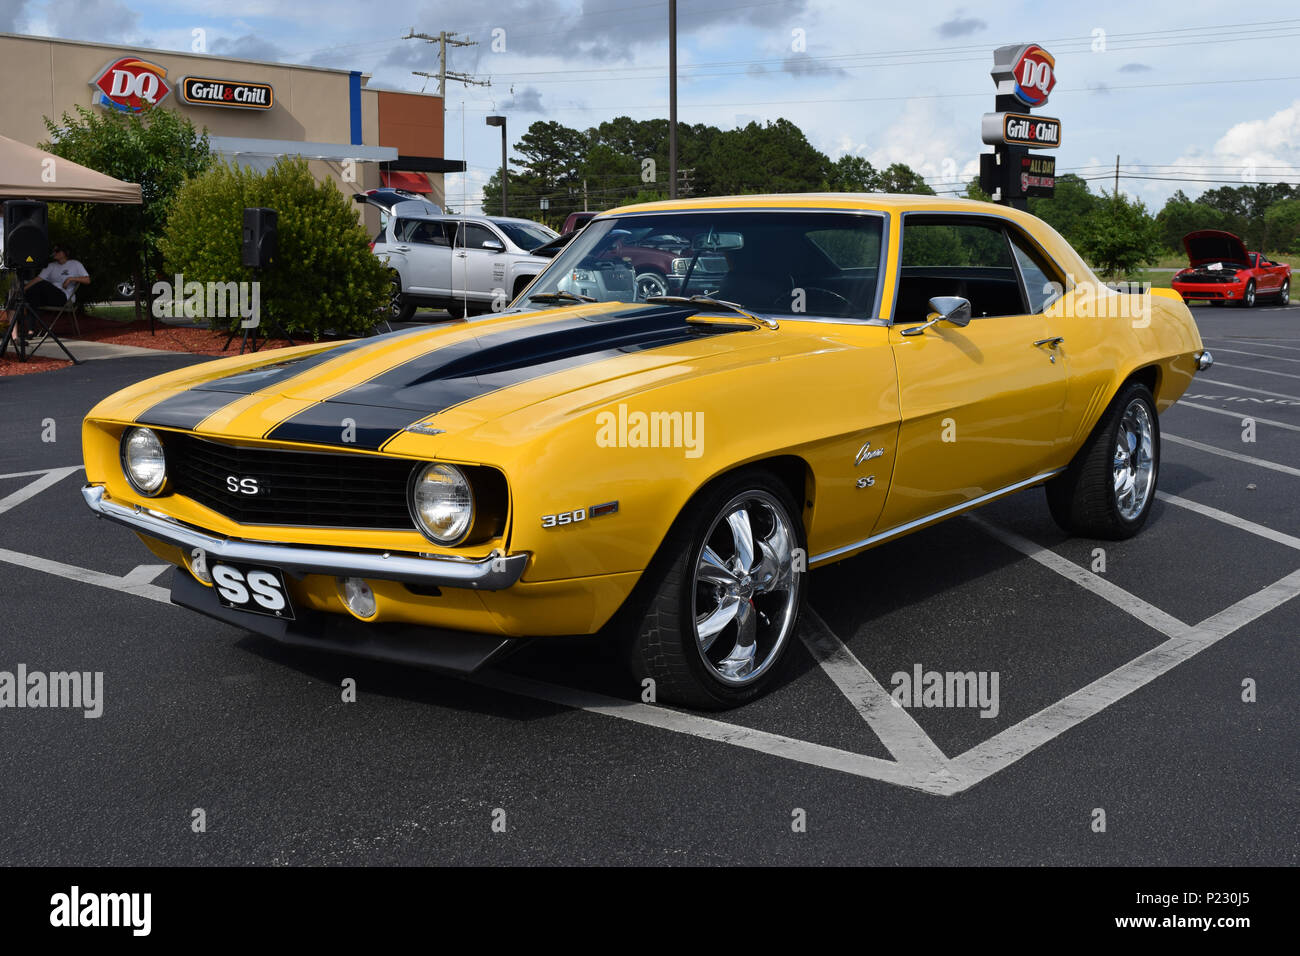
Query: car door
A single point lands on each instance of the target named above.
(981, 406)
(479, 263)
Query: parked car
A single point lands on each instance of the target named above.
(385, 199)
(464, 264)
(1220, 269)
(661, 473)
(576, 220)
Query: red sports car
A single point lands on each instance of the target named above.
(1221, 270)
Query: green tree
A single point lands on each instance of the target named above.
(1283, 223)
(852, 174)
(1119, 237)
(158, 149)
(901, 178)
(1069, 209)
(1181, 215)
(324, 276)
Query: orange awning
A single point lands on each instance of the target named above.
(411, 182)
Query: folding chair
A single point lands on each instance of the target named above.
(68, 308)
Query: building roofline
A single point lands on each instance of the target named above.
(153, 51)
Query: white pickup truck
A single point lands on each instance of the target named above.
(464, 264)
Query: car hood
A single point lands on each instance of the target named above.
(366, 393)
(1214, 245)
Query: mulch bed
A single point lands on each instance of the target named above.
(196, 340)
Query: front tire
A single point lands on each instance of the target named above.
(1284, 293)
(1107, 491)
(717, 609)
(650, 283)
(400, 309)
(1248, 297)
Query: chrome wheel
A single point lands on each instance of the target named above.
(1248, 297)
(1284, 295)
(746, 588)
(650, 283)
(1134, 464)
(395, 298)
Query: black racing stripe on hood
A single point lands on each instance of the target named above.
(189, 408)
(369, 415)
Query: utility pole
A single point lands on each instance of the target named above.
(1117, 175)
(444, 40)
(672, 99)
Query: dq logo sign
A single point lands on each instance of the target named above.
(1035, 75)
(129, 84)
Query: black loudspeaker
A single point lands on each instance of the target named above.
(260, 236)
(27, 234)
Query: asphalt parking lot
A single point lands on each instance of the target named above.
(1120, 690)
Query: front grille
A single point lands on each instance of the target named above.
(293, 488)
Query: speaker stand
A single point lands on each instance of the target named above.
(21, 315)
(243, 338)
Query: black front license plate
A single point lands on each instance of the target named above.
(252, 589)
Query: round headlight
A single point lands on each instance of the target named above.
(143, 461)
(442, 503)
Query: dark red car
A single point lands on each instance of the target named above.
(1221, 270)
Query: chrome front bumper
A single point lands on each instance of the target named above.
(493, 573)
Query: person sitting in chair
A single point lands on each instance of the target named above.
(55, 286)
(57, 282)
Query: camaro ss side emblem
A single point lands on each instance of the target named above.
(241, 486)
(866, 454)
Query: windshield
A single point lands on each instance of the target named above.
(526, 235)
(775, 263)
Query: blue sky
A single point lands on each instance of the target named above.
(1186, 91)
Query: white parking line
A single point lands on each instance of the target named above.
(1145, 612)
(921, 765)
(1258, 371)
(940, 781)
(1240, 415)
(1230, 519)
(1235, 456)
(1241, 341)
(1275, 358)
(1258, 391)
(1005, 748)
(900, 734)
(48, 478)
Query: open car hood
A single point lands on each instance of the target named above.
(1214, 245)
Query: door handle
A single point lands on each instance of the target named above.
(1051, 341)
(402, 248)
(460, 255)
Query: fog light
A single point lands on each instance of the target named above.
(358, 597)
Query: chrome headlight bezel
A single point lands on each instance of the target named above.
(149, 491)
(464, 525)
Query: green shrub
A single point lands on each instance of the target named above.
(324, 277)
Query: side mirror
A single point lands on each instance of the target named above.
(952, 309)
(493, 245)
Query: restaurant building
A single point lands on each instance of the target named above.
(254, 112)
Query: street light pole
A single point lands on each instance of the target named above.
(505, 173)
(672, 99)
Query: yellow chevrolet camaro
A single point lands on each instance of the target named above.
(823, 373)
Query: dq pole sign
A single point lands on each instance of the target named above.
(1025, 75)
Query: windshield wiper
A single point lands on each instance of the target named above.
(561, 297)
(709, 302)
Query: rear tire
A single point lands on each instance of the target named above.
(709, 625)
(1284, 293)
(1107, 490)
